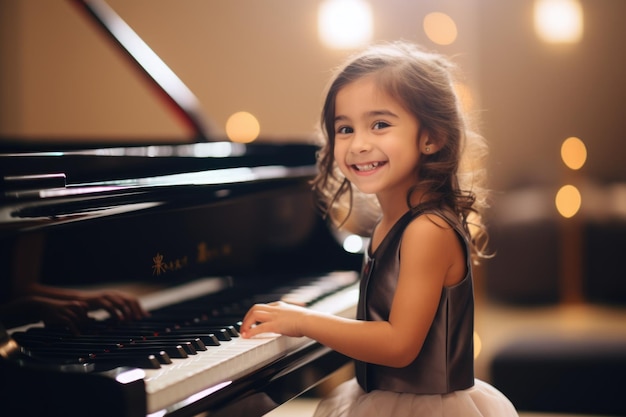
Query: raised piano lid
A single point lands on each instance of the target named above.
(173, 89)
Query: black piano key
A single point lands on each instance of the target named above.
(145, 362)
(174, 351)
(192, 340)
(41, 339)
(221, 334)
(60, 358)
(151, 328)
(198, 344)
(105, 362)
(108, 343)
(188, 347)
(199, 341)
(230, 324)
(208, 339)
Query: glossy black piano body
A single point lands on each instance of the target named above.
(159, 217)
(219, 208)
(249, 215)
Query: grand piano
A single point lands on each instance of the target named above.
(201, 231)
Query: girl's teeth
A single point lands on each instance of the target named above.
(367, 167)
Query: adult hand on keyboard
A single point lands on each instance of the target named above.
(58, 313)
(68, 308)
(119, 305)
(61, 313)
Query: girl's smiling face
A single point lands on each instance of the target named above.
(376, 140)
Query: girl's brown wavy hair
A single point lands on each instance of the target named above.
(452, 178)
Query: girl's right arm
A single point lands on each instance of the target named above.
(354, 338)
(425, 269)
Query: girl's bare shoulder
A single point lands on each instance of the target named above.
(431, 228)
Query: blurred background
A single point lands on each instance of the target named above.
(60, 78)
(545, 78)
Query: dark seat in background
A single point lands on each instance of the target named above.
(556, 373)
(563, 375)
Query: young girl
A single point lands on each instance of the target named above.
(394, 129)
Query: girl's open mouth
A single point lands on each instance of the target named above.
(367, 167)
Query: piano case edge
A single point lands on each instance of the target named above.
(271, 386)
(71, 393)
(28, 391)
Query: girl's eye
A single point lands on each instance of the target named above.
(343, 130)
(380, 125)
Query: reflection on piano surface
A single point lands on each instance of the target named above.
(203, 230)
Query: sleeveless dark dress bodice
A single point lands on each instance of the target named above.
(446, 360)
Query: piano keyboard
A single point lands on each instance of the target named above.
(207, 356)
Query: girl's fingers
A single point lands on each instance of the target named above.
(253, 319)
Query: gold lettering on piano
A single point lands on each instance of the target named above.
(206, 253)
(161, 266)
(158, 266)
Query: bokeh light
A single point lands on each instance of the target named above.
(478, 345)
(345, 24)
(568, 201)
(440, 28)
(242, 127)
(559, 21)
(573, 153)
(353, 244)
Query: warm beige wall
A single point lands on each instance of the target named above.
(10, 100)
(259, 56)
(535, 95)
(59, 77)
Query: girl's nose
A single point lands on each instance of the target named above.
(360, 143)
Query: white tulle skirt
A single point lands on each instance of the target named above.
(349, 400)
